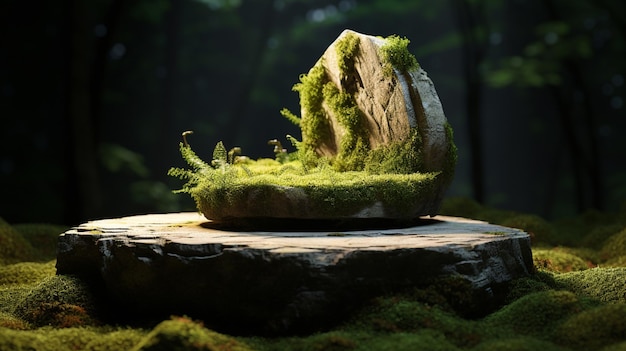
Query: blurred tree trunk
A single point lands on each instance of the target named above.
(86, 68)
(167, 137)
(83, 197)
(583, 149)
(265, 28)
(101, 54)
(469, 17)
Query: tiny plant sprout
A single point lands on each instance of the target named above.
(233, 153)
(281, 154)
(185, 133)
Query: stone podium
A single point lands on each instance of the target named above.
(292, 279)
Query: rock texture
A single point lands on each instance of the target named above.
(390, 105)
(289, 280)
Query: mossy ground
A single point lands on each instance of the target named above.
(575, 301)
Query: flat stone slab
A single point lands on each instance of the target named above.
(300, 278)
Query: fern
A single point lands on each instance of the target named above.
(290, 116)
(220, 156)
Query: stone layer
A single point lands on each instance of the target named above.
(280, 281)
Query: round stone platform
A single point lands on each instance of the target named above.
(289, 277)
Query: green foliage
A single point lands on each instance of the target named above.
(181, 333)
(543, 60)
(117, 158)
(331, 192)
(394, 53)
(290, 116)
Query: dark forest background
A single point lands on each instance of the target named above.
(94, 95)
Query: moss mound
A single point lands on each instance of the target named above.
(13, 247)
(602, 284)
(518, 343)
(615, 246)
(552, 310)
(42, 237)
(536, 314)
(59, 301)
(557, 260)
(26, 272)
(183, 334)
(539, 229)
(595, 328)
(269, 188)
(70, 339)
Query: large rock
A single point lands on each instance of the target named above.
(391, 103)
(289, 280)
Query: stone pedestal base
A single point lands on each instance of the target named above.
(285, 280)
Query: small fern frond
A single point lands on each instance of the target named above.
(290, 116)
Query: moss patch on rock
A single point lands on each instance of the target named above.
(339, 136)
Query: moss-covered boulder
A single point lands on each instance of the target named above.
(375, 144)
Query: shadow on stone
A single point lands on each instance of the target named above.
(281, 225)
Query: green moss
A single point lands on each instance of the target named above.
(601, 284)
(596, 236)
(528, 285)
(595, 328)
(70, 339)
(394, 53)
(461, 207)
(13, 246)
(9, 321)
(518, 343)
(42, 237)
(536, 314)
(181, 333)
(354, 144)
(314, 122)
(121, 339)
(539, 229)
(346, 50)
(26, 272)
(557, 260)
(419, 340)
(331, 193)
(614, 246)
(60, 301)
(401, 157)
(401, 315)
(619, 261)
